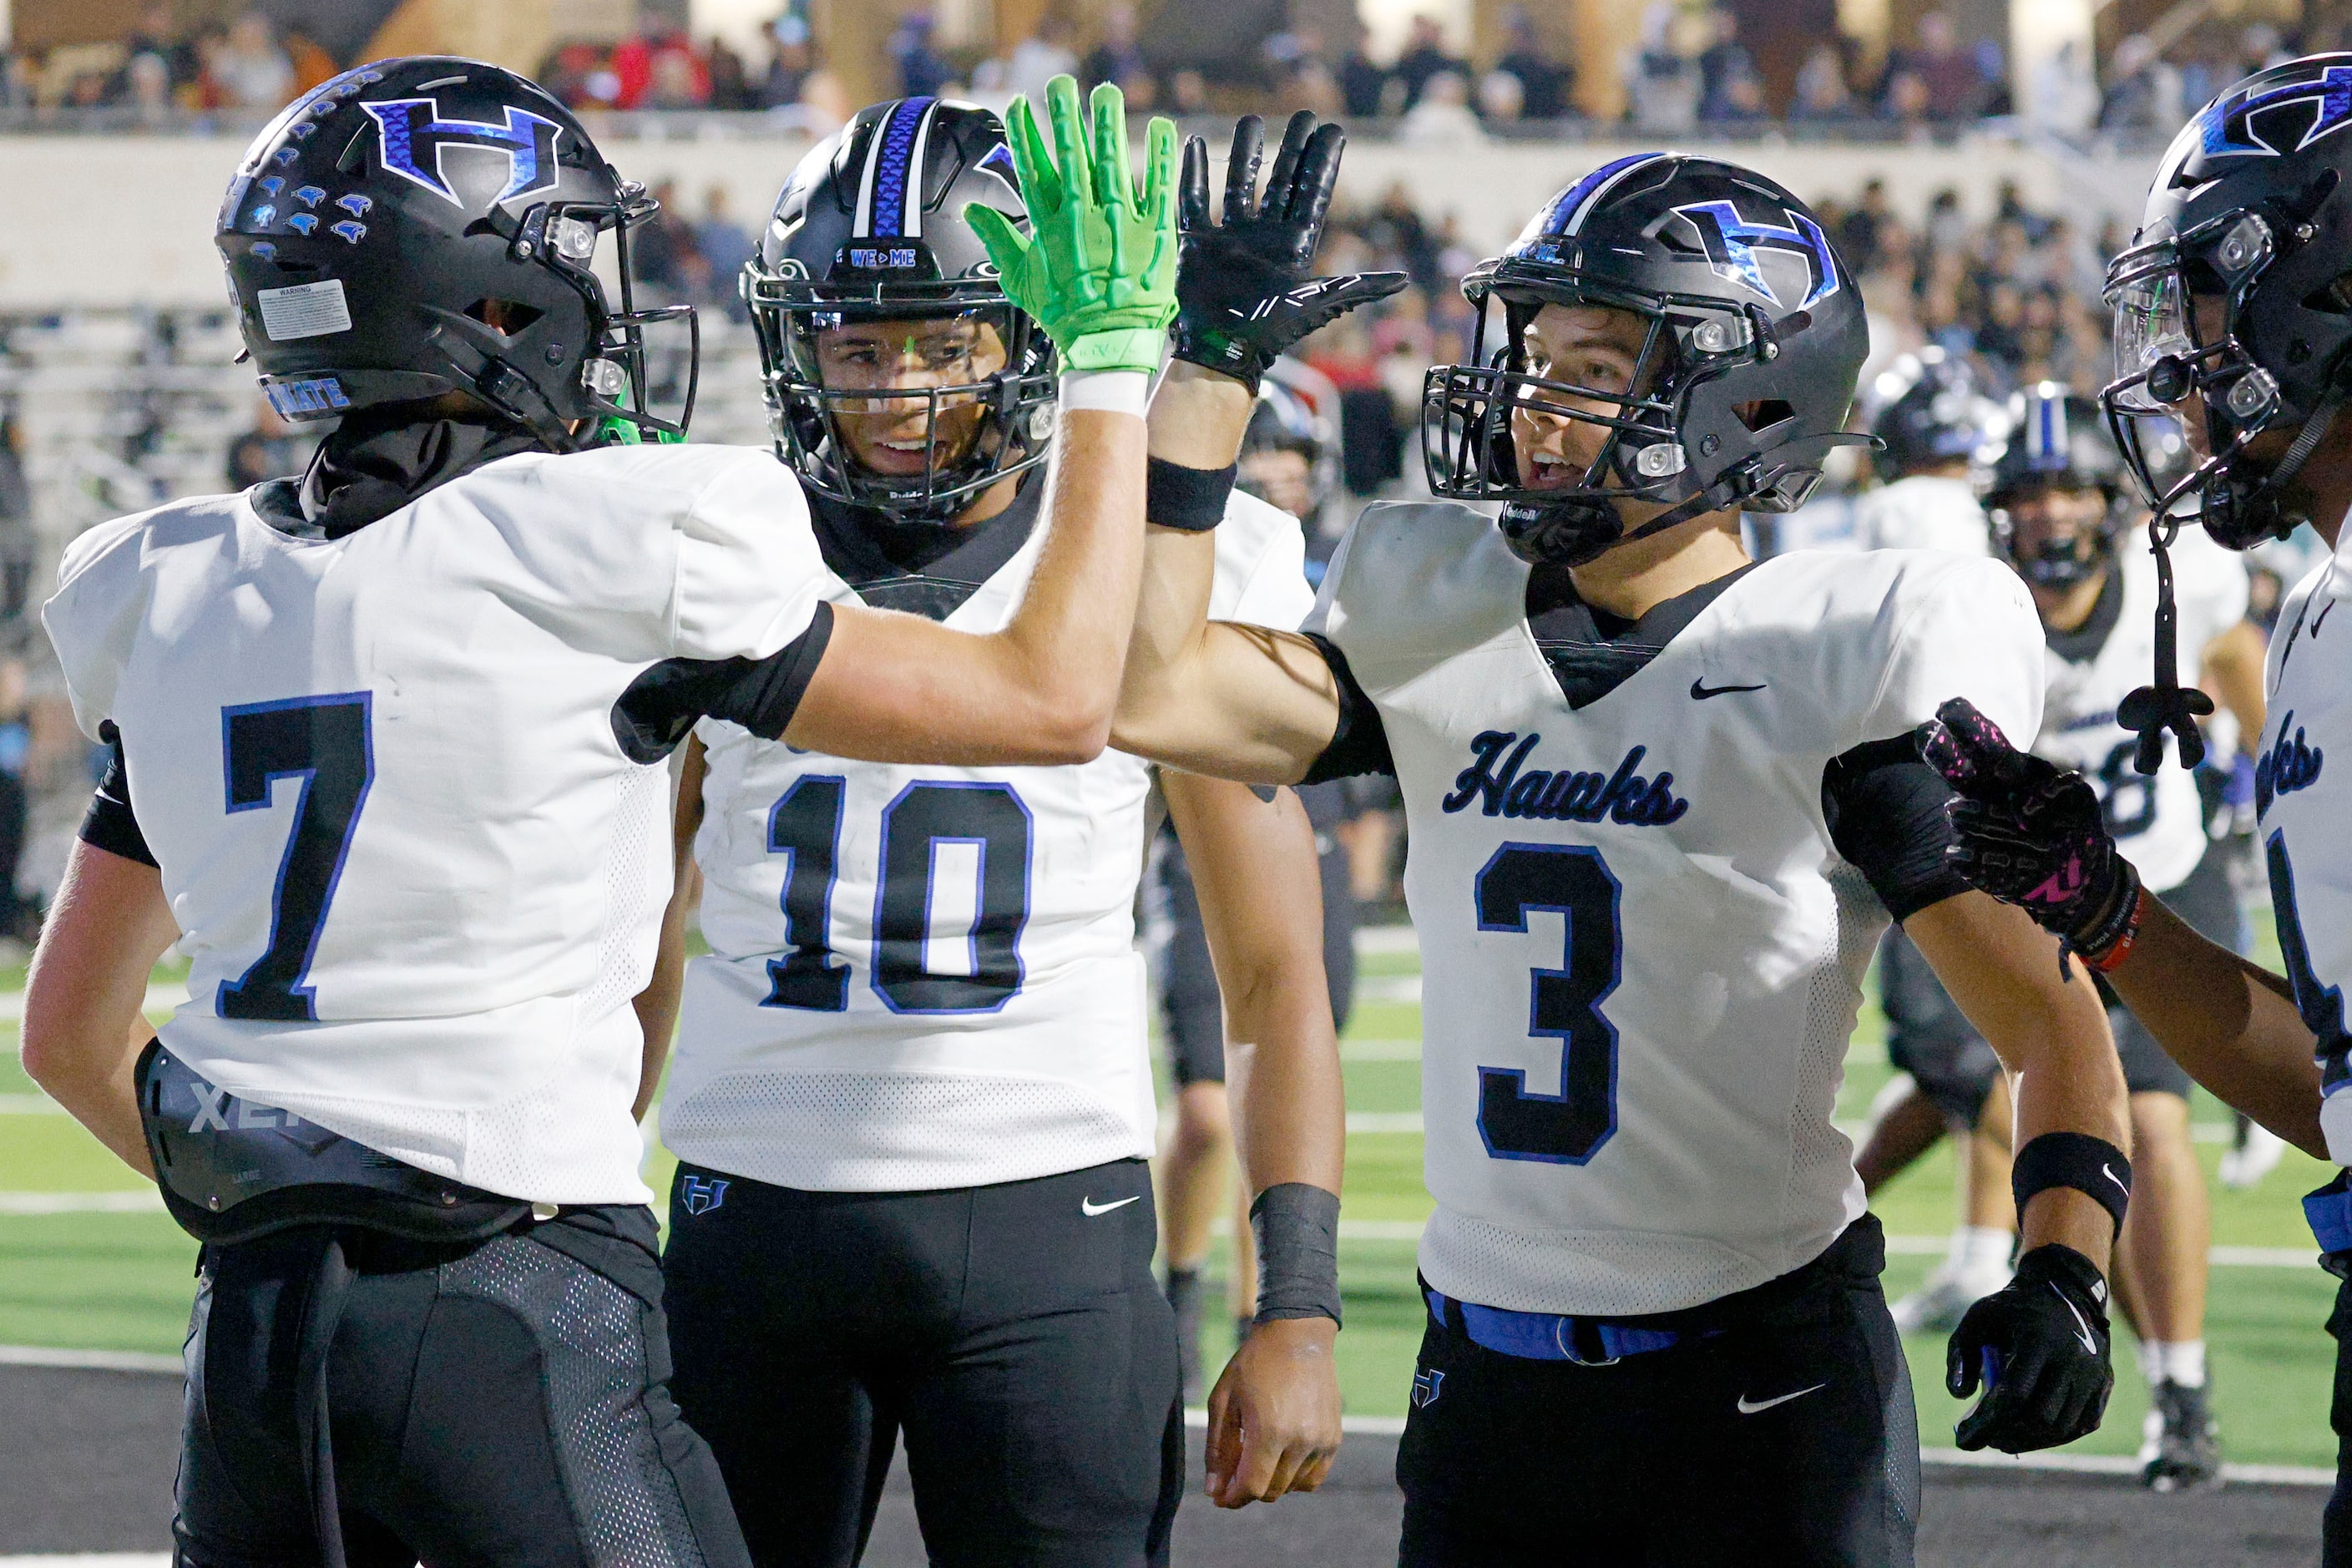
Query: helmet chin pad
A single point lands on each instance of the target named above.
(1569, 531)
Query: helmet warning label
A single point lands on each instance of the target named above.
(304, 311)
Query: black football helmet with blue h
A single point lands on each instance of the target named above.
(428, 226)
(870, 226)
(1755, 338)
(2235, 290)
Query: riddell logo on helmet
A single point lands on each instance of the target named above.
(414, 139)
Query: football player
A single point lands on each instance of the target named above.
(388, 747)
(2229, 324)
(1928, 410)
(2053, 479)
(1289, 461)
(1662, 802)
(912, 1102)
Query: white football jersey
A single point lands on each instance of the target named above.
(1641, 956)
(926, 977)
(1921, 512)
(2158, 820)
(2300, 800)
(418, 878)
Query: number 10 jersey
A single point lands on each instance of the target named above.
(925, 977)
(1641, 953)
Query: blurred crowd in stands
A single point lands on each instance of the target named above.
(1690, 69)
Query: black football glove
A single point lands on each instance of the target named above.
(2028, 834)
(1247, 290)
(2039, 1346)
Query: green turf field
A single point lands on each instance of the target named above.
(120, 1280)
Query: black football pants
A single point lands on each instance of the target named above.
(496, 1404)
(1783, 1433)
(1014, 1333)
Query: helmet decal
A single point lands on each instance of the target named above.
(998, 161)
(2226, 128)
(2046, 447)
(412, 129)
(1567, 211)
(1731, 242)
(883, 208)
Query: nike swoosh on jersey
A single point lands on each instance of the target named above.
(2082, 1329)
(1090, 1208)
(1700, 691)
(1747, 1407)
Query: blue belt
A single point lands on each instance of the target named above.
(2328, 1211)
(1550, 1336)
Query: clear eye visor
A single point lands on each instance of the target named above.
(2187, 397)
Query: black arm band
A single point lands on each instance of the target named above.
(2091, 1166)
(1297, 1231)
(1192, 499)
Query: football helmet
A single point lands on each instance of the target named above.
(2051, 438)
(1926, 410)
(2248, 212)
(429, 224)
(1754, 337)
(870, 227)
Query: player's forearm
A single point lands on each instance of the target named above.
(1255, 865)
(2050, 1033)
(1199, 417)
(83, 1029)
(657, 1004)
(1062, 654)
(2231, 1025)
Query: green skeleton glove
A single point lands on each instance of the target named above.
(1097, 269)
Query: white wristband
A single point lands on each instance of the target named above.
(1107, 390)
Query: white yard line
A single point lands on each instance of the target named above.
(89, 1361)
(1380, 1050)
(1362, 1122)
(141, 1201)
(2122, 1465)
(91, 1560)
(1386, 942)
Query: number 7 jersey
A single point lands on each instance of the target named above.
(926, 977)
(1641, 953)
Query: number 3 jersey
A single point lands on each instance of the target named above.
(418, 874)
(2157, 819)
(1632, 871)
(926, 977)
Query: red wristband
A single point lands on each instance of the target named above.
(2119, 949)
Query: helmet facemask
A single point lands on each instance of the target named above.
(2052, 564)
(975, 428)
(1659, 446)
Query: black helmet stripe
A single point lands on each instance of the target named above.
(887, 208)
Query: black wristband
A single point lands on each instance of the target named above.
(2091, 1166)
(1192, 499)
(1297, 1230)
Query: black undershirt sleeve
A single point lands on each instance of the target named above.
(761, 694)
(1360, 742)
(1885, 808)
(110, 824)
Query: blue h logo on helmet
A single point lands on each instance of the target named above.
(1732, 242)
(2225, 129)
(414, 136)
(700, 1194)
